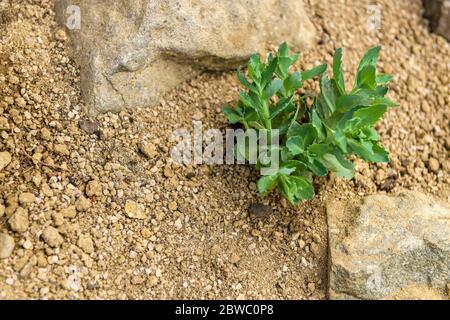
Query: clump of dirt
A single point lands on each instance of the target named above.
(100, 211)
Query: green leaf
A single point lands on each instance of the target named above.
(293, 164)
(317, 123)
(340, 140)
(295, 188)
(300, 137)
(282, 105)
(316, 167)
(369, 133)
(293, 82)
(284, 63)
(370, 115)
(283, 50)
(232, 116)
(333, 159)
(245, 82)
(314, 72)
(385, 101)
(366, 78)
(368, 151)
(370, 58)
(266, 184)
(268, 72)
(328, 94)
(383, 79)
(256, 125)
(247, 100)
(339, 165)
(255, 67)
(272, 88)
(348, 102)
(337, 71)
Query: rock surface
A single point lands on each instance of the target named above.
(438, 12)
(389, 247)
(132, 51)
(6, 245)
(5, 159)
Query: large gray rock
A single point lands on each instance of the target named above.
(438, 12)
(389, 247)
(132, 51)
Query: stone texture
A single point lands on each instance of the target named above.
(438, 12)
(6, 245)
(18, 222)
(135, 210)
(52, 237)
(132, 51)
(5, 159)
(389, 247)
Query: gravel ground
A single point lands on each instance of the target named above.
(98, 211)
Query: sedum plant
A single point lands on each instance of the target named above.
(318, 137)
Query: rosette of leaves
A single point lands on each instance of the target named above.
(318, 138)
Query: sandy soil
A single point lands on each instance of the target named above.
(70, 177)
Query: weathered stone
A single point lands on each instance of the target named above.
(135, 210)
(19, 220)
(5, 159)
(82, 204)
(132, 51)
(85, 242)
(94, 188)
(438, 12)
(6, 245)
(27, 198)
(69, 212)
(259, 210)
(52, 237)
(389, 247)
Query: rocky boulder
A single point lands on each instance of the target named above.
(438, 12)
(389, 248)
(132, 51)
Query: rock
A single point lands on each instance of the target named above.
(148, 150)
(61, 149)
(234, 258)
(134, 210)
(52, 237)
(259, 211)
(132, 51)
(438, 12)
(69, 212)
(6, 245)
(152, 281)
(19, 220)
(58, 218)
(311, 287)
(168, 172)
(2, 210)
(433, 165)
(27, 198)
(86, 244)
(46, 134)
(82, 204)
(5, 159)
(173, 205)
(178, 224)
(89, 126)
(94, 188)
(388, 247)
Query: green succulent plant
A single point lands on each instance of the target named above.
(315, 138)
